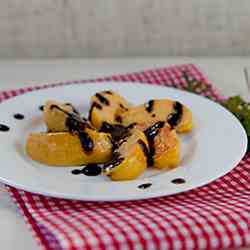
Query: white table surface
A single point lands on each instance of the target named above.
(225, 73)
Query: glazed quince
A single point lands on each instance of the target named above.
(129, 159)
(164, 145)
(167, 149)
(54, 117)
(177, 115)
(107, 106)
(67, 149)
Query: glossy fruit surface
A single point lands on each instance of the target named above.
(107, 106)
(66, 149)
(131, 156)
(161, 110)
(54, 118)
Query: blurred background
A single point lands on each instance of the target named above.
(113, 28)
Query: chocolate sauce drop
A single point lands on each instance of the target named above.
(145, 185)
(76, 171)
(4, 128)
(92, 170)
(178, 181)
(88, 170)
(18, 116)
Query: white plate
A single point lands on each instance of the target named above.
(216, 145)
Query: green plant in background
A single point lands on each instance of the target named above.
(235, 104)
(241, 110)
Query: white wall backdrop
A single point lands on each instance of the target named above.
(107, 28)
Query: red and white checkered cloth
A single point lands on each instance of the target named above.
(216, 216)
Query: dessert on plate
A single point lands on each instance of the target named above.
(117, 139)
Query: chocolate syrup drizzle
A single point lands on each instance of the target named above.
(175, 117)
(150, 106)
(94, 105)
(73, 108)
(76, 125)
(146, 152)
(117, 131)
(122, 106)
(86, 141)
(151, 133)
(118, 118)
(102, 99)
(116, 160)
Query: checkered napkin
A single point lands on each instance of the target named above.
(216, 216)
